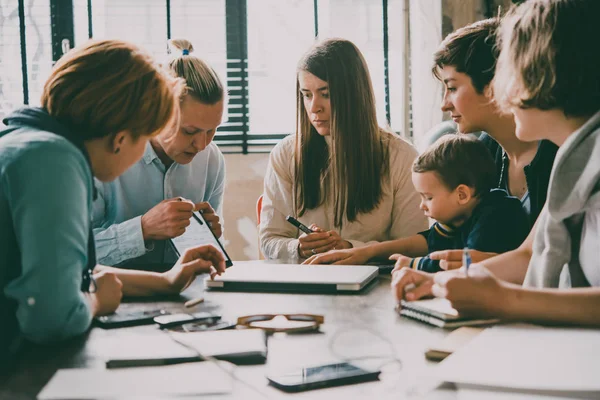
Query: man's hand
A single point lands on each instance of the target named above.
(480, 294)
(168, 219)
(452, 259)
(356, 256)
(409, 284)
(195, 261)
(211, 218)
(108, 294)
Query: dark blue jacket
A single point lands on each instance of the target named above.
(498, 224)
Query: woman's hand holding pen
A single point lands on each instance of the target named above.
(320, 241)
(480, 294)
(195, 261)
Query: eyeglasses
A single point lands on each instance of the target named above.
(282, 322)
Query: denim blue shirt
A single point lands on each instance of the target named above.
(120, 204)
(45, 204)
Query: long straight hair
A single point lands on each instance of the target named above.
(359, 159)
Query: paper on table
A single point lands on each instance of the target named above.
(146, 382)
(528, 357)
(216, 343)
(490, 394)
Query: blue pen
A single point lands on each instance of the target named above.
(466, 259)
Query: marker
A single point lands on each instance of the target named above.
(298, 224)
(466, 259)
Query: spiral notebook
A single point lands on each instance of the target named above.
(439, 312)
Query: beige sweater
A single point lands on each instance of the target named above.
(398, 214)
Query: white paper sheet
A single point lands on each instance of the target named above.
(478, 394)
(528, 357)
(147, 382)
(223, 342)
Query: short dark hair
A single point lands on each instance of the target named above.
(459, 160)
(472, 51)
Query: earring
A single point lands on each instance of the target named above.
(117, 150)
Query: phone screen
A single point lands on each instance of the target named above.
(307, 378)
(198, 233)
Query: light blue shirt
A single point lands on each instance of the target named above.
(118, 210)
(45, 206)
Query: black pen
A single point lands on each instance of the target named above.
(298, 224)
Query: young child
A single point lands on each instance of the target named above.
(455, 178)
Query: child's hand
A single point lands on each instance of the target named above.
(452, 259)
(401, 261)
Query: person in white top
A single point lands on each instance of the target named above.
(340, 173)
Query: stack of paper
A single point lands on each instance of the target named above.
(526, 360)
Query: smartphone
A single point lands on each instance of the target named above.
(321, 377)
(298, 224)
(166, 321)
(121, 319)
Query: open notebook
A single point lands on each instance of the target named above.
(439, 312)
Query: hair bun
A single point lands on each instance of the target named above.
(182, 46)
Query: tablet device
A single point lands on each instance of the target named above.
(198, 233)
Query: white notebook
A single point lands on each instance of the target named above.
(439, 312)
(529, 360)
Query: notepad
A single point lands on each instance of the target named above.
(528, 359)
(147, 382)
(439, 312)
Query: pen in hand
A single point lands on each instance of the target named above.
(298, 224)
(466, 260)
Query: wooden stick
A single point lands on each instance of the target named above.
(194, 302)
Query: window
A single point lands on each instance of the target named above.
(279, 32)
(253, 45)
(11, 76)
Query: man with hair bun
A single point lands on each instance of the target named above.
(181, 171)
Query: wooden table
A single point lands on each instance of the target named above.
(355, 326)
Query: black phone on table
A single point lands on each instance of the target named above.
(321, 376)
(121, 319)
(166, 321)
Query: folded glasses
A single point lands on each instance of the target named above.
(282, 322)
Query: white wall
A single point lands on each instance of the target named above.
(425, 31)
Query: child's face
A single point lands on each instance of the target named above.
(437, 201)
(469, 109)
